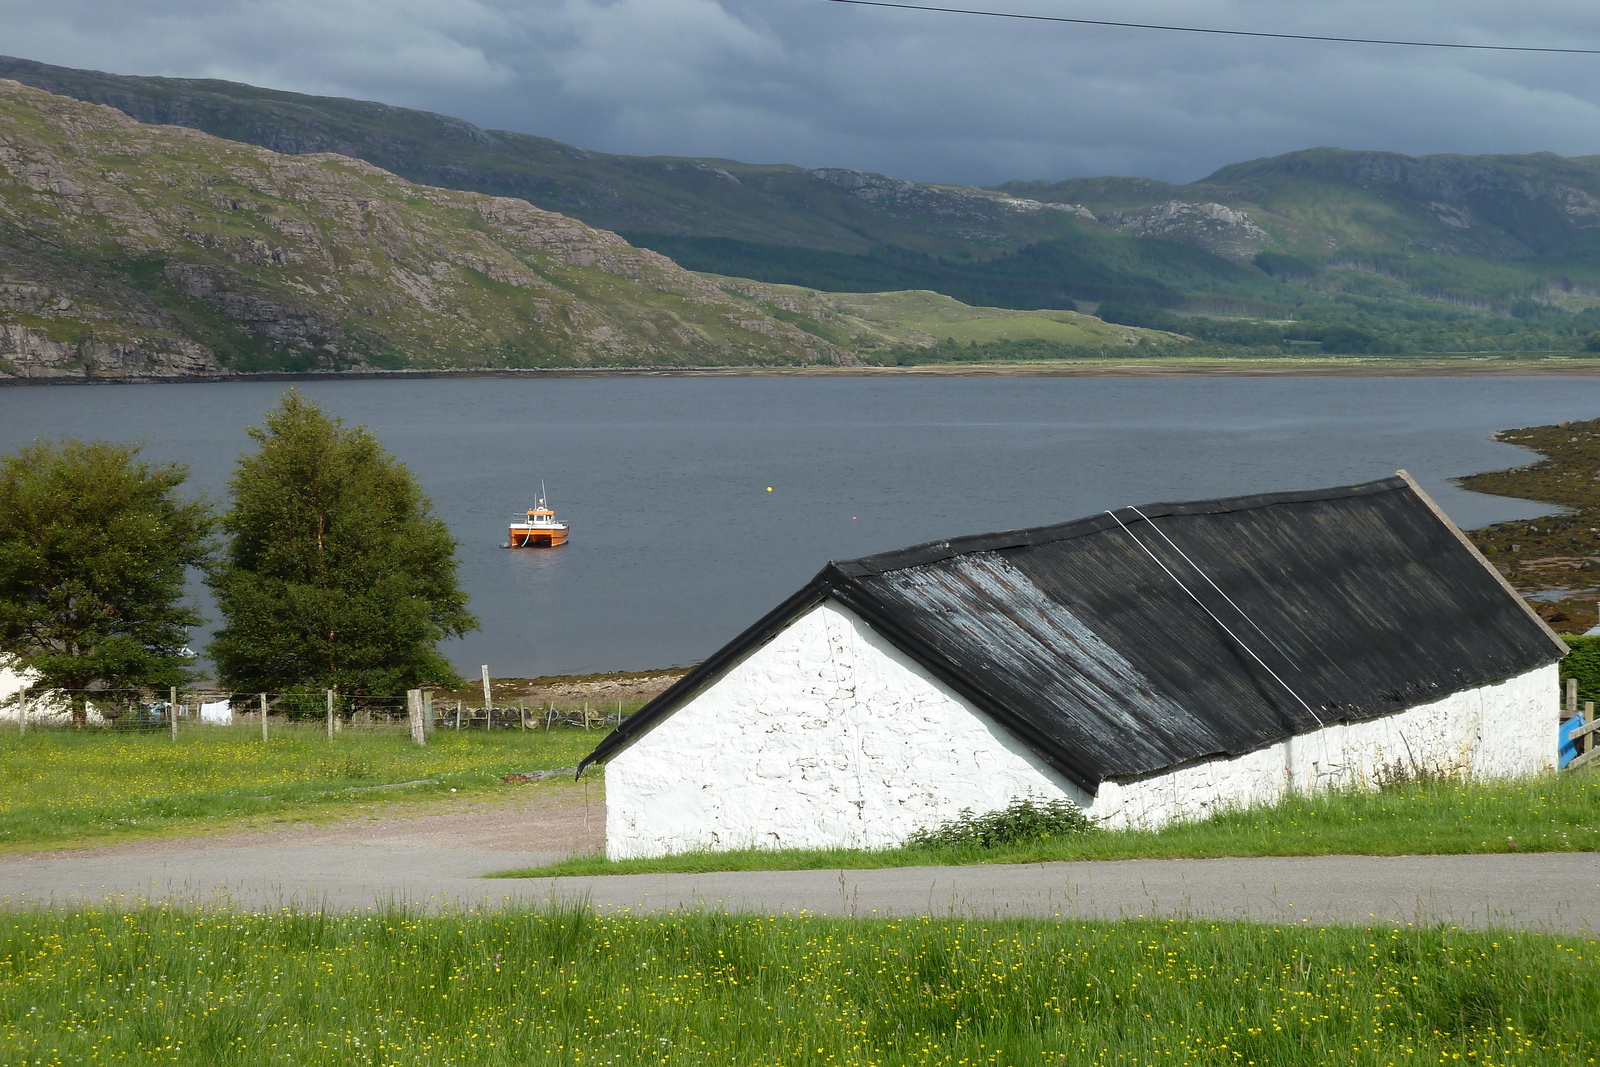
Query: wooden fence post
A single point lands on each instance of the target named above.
(1572, 696)
(458, 716)
(330, 714)
(172, 710)
(22, 715)
(414, 713)
(427, 711)
(488, 701)
(263, 716)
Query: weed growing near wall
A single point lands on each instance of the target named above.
(160, 985)
(1024, 819)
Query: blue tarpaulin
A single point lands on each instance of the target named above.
(1567, 749)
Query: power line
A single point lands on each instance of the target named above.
(1226, 33)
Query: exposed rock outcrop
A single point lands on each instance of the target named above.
(1216, 227)
(26, 354)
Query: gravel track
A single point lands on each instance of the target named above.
(436, 856)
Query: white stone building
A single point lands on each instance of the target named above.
(1147, 664)
(41, 709)
(12, 682)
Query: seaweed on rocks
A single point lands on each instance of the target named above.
(1553, 560)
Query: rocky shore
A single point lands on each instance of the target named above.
(1553, 560)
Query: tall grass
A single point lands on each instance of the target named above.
(63, 787)
(571, 987)
(1550, 813)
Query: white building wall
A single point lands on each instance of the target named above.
(826, 736)
(49, 709)
(829, 736)
(1494, 731)
(12, 682)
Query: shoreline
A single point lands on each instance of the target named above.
(1354, 367)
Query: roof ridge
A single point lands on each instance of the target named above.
(948, 548)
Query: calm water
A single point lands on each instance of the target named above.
(676, 543)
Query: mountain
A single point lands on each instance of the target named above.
(135, 249)
(826, 228)
(143, 248)
(1342, 251)
(837, 210)
(1331, 206)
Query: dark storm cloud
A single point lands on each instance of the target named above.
(928, 96)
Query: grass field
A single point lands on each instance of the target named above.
(63, 787)
(1553, 813)
(571, 987)
(920, 312)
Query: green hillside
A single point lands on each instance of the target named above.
(838, 210)
(1322, 250)
(133, 249)
(825, 228)
(128, 248)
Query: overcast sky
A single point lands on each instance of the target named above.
(931, 97)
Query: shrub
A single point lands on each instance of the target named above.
(1024, 819)
(1583, 663)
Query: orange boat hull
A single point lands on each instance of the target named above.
(538, 538)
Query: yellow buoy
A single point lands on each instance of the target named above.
(769, 488)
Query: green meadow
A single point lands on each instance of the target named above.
(919, 313)
(62, 787)
(568, 987)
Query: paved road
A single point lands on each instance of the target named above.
(1554, 892)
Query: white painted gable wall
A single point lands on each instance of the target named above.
(829, 736)
(826, 736)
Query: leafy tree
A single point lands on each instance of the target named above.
(337, 574)
(93, 548)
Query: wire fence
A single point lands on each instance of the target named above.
(177, 711)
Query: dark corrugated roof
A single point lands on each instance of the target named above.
(1128, 642)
